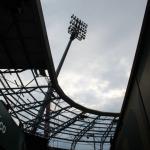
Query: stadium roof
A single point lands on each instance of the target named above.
(24, 43)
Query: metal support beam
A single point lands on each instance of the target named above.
(63, 57)
(55, 114)
(66, 124)
(46, 101)
(46, 125)
(82, 133)
(49, 115)
(105, 135)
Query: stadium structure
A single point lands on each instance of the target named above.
(35, 113)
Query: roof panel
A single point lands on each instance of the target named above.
(22, 37)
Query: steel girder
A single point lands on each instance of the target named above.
(66, 124)
(65, 121)
(81, 134)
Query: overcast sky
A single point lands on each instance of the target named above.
(96, 70)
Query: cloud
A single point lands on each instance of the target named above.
(96, 71)
(91, 92)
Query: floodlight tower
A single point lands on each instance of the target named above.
(77, 30)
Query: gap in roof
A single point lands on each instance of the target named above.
(97, 69)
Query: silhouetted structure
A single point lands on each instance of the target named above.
(133, 131)
(43, 115)
(28, 82)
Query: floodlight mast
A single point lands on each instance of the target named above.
(77, 30)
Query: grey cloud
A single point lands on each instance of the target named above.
(107, 53)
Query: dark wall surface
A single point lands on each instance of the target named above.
(11, 136)
(35, 142)
(133, 131)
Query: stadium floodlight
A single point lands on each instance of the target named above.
(77, 28)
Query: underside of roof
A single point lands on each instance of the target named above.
(29, 87)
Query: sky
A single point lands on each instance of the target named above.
(96, 70)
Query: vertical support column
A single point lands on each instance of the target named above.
(47, 126)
